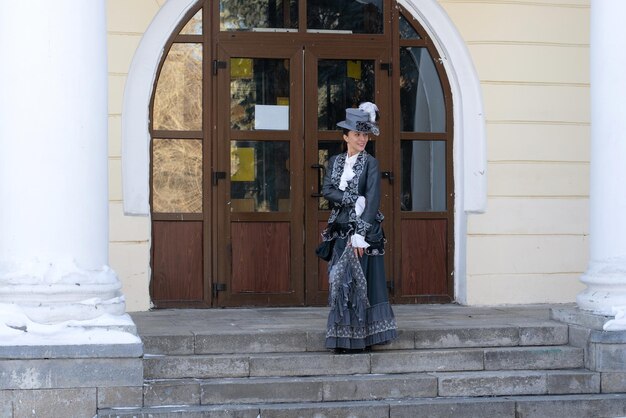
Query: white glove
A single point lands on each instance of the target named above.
(358, 241)
(359, 206)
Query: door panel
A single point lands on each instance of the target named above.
(424, 211)
(267, 244)
(182, 262)
(424, 261)
(337, 79)
(259, 196)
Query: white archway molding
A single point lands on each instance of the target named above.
(136, 106)
(470, 142)
(470, 156)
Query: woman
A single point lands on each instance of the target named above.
(360, 313)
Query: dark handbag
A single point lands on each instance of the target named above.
(325, 250)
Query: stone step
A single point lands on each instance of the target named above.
(570, 406)
(326, 363)
(368, 387)
(518, 382)
(288, 389)
(269, 341)
(525, 358)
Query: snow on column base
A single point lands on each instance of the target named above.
(56, 312)
(606, 286)
(619, 323)
(50, 293)
(17, 329)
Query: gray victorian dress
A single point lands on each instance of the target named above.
(360, 314)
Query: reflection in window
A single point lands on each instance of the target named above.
(423, 187)
(258, 14)
(350, 16)
(342, 84)
(178, 96)
(406, 29)
(259, 176)
(327, 149)
(421, 95)
(259, 90)
(177, 176)
(194, 26)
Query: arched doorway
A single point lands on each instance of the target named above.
(242, 121)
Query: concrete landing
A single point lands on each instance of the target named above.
(409, 317)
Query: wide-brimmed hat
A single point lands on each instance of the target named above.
(360, 121)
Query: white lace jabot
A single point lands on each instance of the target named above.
(348, 172)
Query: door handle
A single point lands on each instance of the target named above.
(387, 175)
(217, 176)
(320, 168)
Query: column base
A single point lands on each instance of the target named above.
(606, 287)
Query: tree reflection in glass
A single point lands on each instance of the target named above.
(260, 177)
(350, 16)
(342, 84)
(422, 103)
(247, 15)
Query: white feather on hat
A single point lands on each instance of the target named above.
(369, 108)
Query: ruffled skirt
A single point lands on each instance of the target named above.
(360, 314)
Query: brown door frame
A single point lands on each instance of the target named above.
(327, 45)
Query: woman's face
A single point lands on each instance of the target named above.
(356, 141)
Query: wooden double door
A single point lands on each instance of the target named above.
(270, 105)
(274, 140)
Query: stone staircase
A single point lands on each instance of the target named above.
(489, 370)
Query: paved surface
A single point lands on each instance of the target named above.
(409, 317)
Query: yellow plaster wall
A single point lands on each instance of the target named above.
(532, 60)
(129, 236)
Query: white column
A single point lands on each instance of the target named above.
(53, 162)
(606, 274)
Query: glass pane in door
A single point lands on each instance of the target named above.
(342, 84)
(345, 16)
(259, 92)
(422, 103)
(259, 176)
(178, 96)
(423, 176)
(407, 31)
(194, 26)
(176, 175)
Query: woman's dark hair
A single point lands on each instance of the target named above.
(344, 146)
